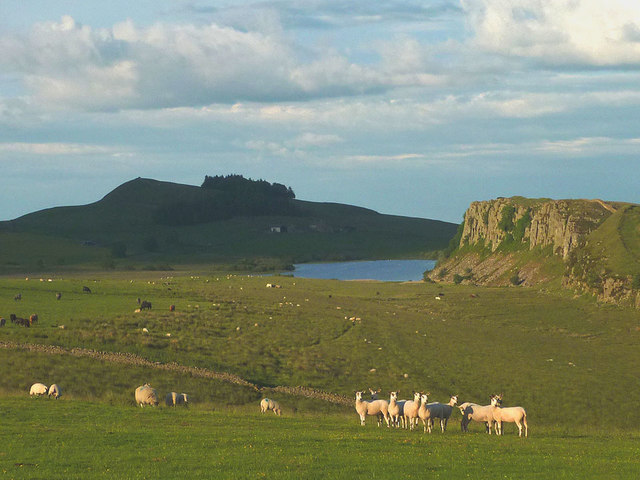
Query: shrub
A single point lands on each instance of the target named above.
(457, 278)
(515, 279)
(521, 225)
(506, 221)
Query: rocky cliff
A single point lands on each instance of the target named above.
(519, 241)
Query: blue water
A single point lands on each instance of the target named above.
(385, 270)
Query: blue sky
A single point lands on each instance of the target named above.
(412, 108)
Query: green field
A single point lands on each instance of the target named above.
(571, 362)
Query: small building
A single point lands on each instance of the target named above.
(278, 229)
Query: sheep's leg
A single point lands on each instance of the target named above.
(362, 420)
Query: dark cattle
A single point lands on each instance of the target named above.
(58, 296)
(145, 305)
(86, 289)
(18, 297)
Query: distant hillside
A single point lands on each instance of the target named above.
(588, 245)
(228, 220)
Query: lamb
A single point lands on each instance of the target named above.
(173, 399)
(411, 408)
(55, 391)
(379, 408)
(396, 409)
(145, 395)
(267, 404)
(515, 415)
(442, 412)
(38, 389)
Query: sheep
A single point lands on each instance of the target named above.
(172, 308)
(515, 415)
(145, 305)
(58, 296)
(145, 395)
(174, 399)
(442, 412)
(411, 408)
(396, 409)
(424, 413)
(477, 413)
(267, 404)
(86, 289)
(55, 391)
(2, 321)
(18, 297)
(379, 408)
(38, 389)
(33, 318)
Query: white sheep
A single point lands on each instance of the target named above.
(424, 413)
(55, 391)
(441, 411)
(267, 404)
(38, 389)
(379, 408)
(477, 413)
(173, 399)
(515, 415)
(145, 395)
(410, 413)
(396, 409)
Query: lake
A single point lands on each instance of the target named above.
(384, 270)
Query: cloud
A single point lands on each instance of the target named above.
(67, 64)
(560, 33)
(56, 149)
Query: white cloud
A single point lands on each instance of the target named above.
(55, 149)
(559, 32)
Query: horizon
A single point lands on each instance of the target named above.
(408, 108)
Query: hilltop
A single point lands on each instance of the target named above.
(228, 220)
(587, 245)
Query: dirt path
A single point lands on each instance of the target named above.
(606, 206)
(131, 359)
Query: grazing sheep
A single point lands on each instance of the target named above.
(38, 389)
(173, 399)
(86, 289)
(396, 409)
(410, 413)
(379, 408)
(145, 305)
(145, 395)
(58, 296)
(55, 391)
(441, 411)
(18, 297)
(33, 318)
(172, 308)
(19, 321)
(515, 415)
(477, 413)
(2, 321)
(267, 404)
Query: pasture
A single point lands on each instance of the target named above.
(572, 363)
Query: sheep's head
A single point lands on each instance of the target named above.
(495, 400)
(424, 397)
(454, 399)
(394, 395)
(416, 396)
(359, 395)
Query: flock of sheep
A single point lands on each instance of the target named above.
(408, 413)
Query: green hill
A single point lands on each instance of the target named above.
(145, 222)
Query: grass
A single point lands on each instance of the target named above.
(75, 439)
(561, 357)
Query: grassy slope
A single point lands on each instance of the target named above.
(559, 356)
(73, 439)
(125, 215)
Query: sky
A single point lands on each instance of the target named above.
(413, 108)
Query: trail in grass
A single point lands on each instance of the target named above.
(132, 359)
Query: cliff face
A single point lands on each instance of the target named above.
(557, 223)
(586, 245)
